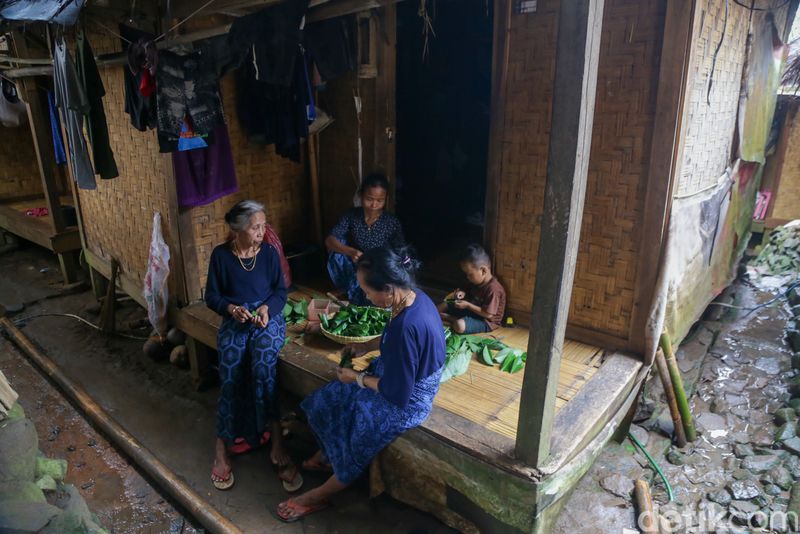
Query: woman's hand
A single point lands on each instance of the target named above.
(354, 254)
(239, 313)
(355, 350)
(261, 318)
(346, 376)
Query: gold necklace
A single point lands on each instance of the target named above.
(249, 267)
(396, 310)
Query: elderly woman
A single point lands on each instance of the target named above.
(359, 230)
(245, 286)
(356, 416)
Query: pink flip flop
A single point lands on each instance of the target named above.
(241, 446)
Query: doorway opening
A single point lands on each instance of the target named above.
(443, 102)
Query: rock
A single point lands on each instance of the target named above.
(176, 337)
(770, 365)
(772, 489)
(57, 469)
(794, 403)
(16, 412)
(641, 434)
(714, 425)
(793, 465)
(793, 337)
(179, 357)
(19, 444)
(721, 497)
(76, 517)
(787, 431)
(676, 458)
(742, 474)
(20, 491)
(792, 445)
(761, 463)
(785, 415)
(24, 517)
(47, 483)
(735, 400)
(795, 365)
(781, 477)
(156, 349)
(618, 485)
(794, 500)
(665, 425)
(742, 450)
(743, 490)
(762, 437)
(741, 511)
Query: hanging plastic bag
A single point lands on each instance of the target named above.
(155, 281)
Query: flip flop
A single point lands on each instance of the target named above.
(298, 510)
(290, 477)
(241, 446)
(225, 481)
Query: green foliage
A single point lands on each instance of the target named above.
(356, 321)
(295, 311)
(490, 351)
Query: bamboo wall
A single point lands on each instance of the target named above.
(117, 216)
(19, 172)
(627, 83)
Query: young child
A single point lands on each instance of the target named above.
(481, 307)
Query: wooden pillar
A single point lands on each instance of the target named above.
(385, 101)
(574, 89)
(39, 121)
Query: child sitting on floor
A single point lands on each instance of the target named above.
(481, 307)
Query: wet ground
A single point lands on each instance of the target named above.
(157, 404)
(740, 473)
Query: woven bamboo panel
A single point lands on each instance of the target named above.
(19, 172)
(118, 215)
(338, 152)
(627, 83)
(624, 111)
(278, 183)
(710, 128)
(787, 199)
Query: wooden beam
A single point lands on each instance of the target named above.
(385, 93)
(494, 171)
(574, 89)
(67, 241)
(673, 79)
(127, 283)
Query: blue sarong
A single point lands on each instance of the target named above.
(353, 425)
(248, 357)
(342, 271)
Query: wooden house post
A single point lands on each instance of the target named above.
(574, 89)
(39, 121)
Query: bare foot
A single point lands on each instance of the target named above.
(308, 499)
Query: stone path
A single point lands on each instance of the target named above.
(742, 473)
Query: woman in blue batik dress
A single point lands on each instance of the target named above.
(245, 286)
(357, 415)
(359, 230)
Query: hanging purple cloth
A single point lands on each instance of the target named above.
(55, 128)
(203, 175)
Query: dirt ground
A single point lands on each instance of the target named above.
(157, 404)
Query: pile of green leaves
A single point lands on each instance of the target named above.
(295, 311)
(356, 321)
(490, 351)
(781, 255)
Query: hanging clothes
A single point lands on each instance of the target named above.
(203, 175)
(140, 107)
(13, 112)
(271, 36)
(187, 84)
(55, 130)
(271, 113)
(92, 85)
(330, 45)
(74, 105)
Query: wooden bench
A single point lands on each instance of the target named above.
(200, 325)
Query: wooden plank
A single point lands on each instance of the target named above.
(30, 228)
(500, 51)
(668, 129)
(385, 102)
(128, 284)
(198, 322)
(8, 397)
(68, 240)
(574, 91)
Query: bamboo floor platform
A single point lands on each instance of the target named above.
(485, 395)
(37, 229)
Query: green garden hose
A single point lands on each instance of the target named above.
(654, 465)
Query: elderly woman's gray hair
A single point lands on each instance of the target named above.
(238, 218)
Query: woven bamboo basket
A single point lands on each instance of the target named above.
(298, 327)
(346, 340)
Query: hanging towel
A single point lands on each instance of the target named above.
(55, 129)
(205, 174)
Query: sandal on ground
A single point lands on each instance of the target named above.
(290, 477)
(241, 446)
(309, 465)
(222, 480)
(298, 511)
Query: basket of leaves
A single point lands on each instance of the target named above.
(295, 312)
(354, 324)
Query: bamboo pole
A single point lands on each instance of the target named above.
(677, 383)
(195, 505)
(669, 391)
(644, 504)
